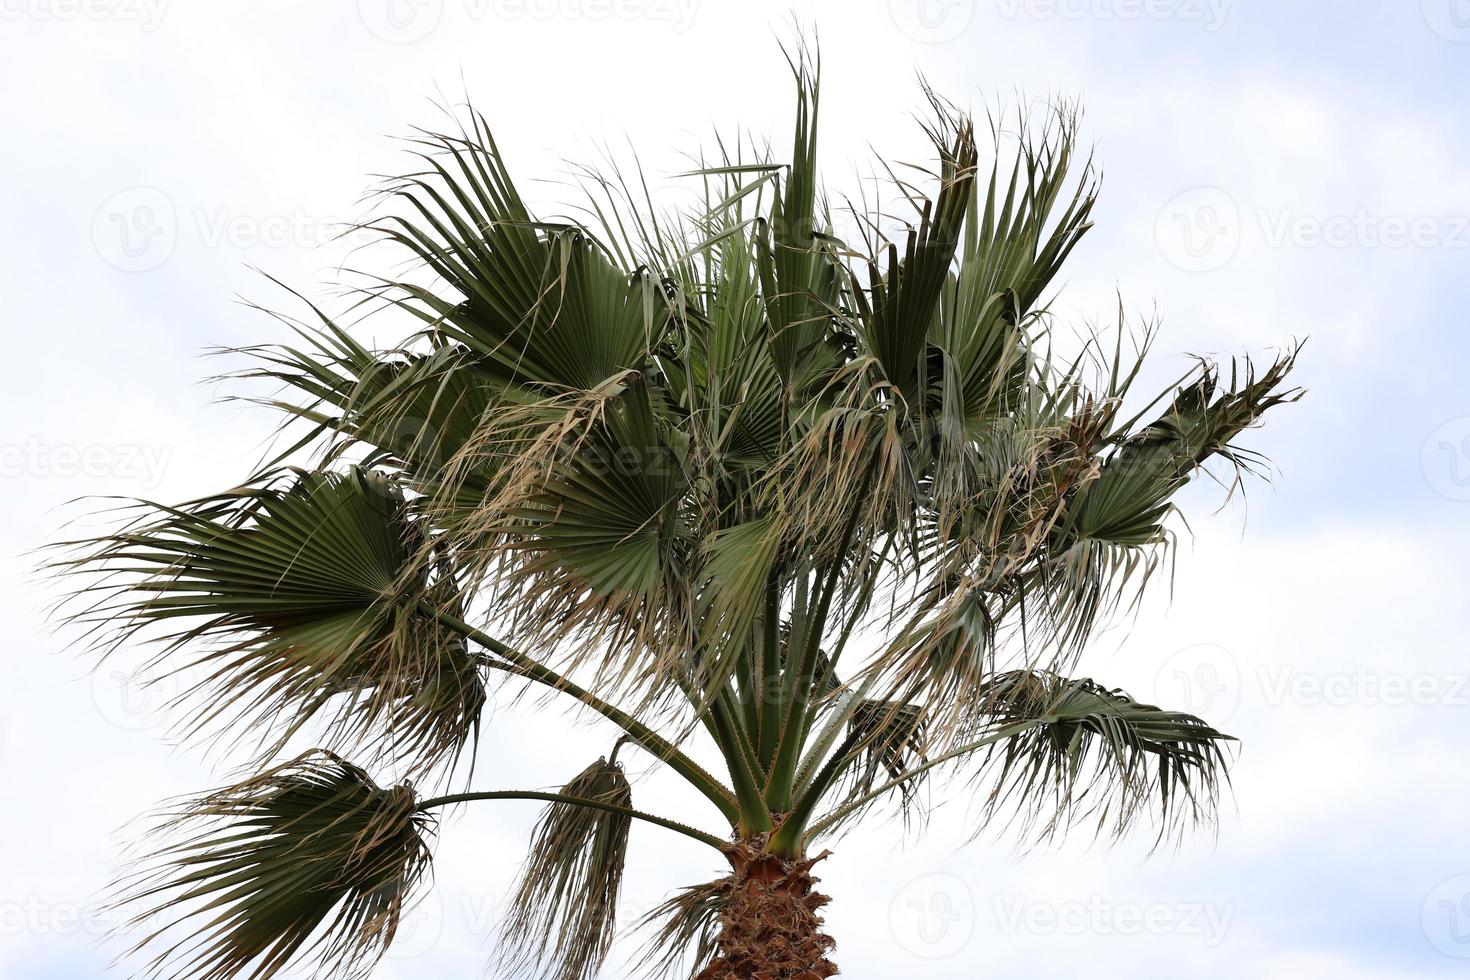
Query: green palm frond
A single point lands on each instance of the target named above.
(563, 914)
(898, 309)
(1097, 755)
(305, 592)
(541, 303)
(799, 278)
(580, 544)
(306, 862)
(1015, 243)
(1069, 522)
(1113, 535)
(411, 410)
(1057, 751)
(1127, 502)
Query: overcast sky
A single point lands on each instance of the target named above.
(1273, 170)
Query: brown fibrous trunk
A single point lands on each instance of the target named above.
(769, 926)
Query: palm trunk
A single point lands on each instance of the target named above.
(769, 927)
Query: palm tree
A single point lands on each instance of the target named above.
(673, 465)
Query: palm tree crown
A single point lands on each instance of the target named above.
(674, 465)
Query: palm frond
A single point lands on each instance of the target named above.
(308, 862)
(293, 599)
(899, 307)
(1068, 523)
(1129, 498)
(1097, 755)
(540, 302)
(799, 278)
(411, 410)
(1014, 246)
(580, 542)
(1112, 534)
(682, 932)
(563, 914)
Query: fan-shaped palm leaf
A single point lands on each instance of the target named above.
(308, 861)
(307, 591)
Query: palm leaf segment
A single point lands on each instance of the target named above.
(1097, 753)
(563, 914)
(308, 861)
(306, 593)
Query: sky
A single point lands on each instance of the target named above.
(1272, 171)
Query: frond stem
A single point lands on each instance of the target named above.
(518, 663)
(673, 825)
